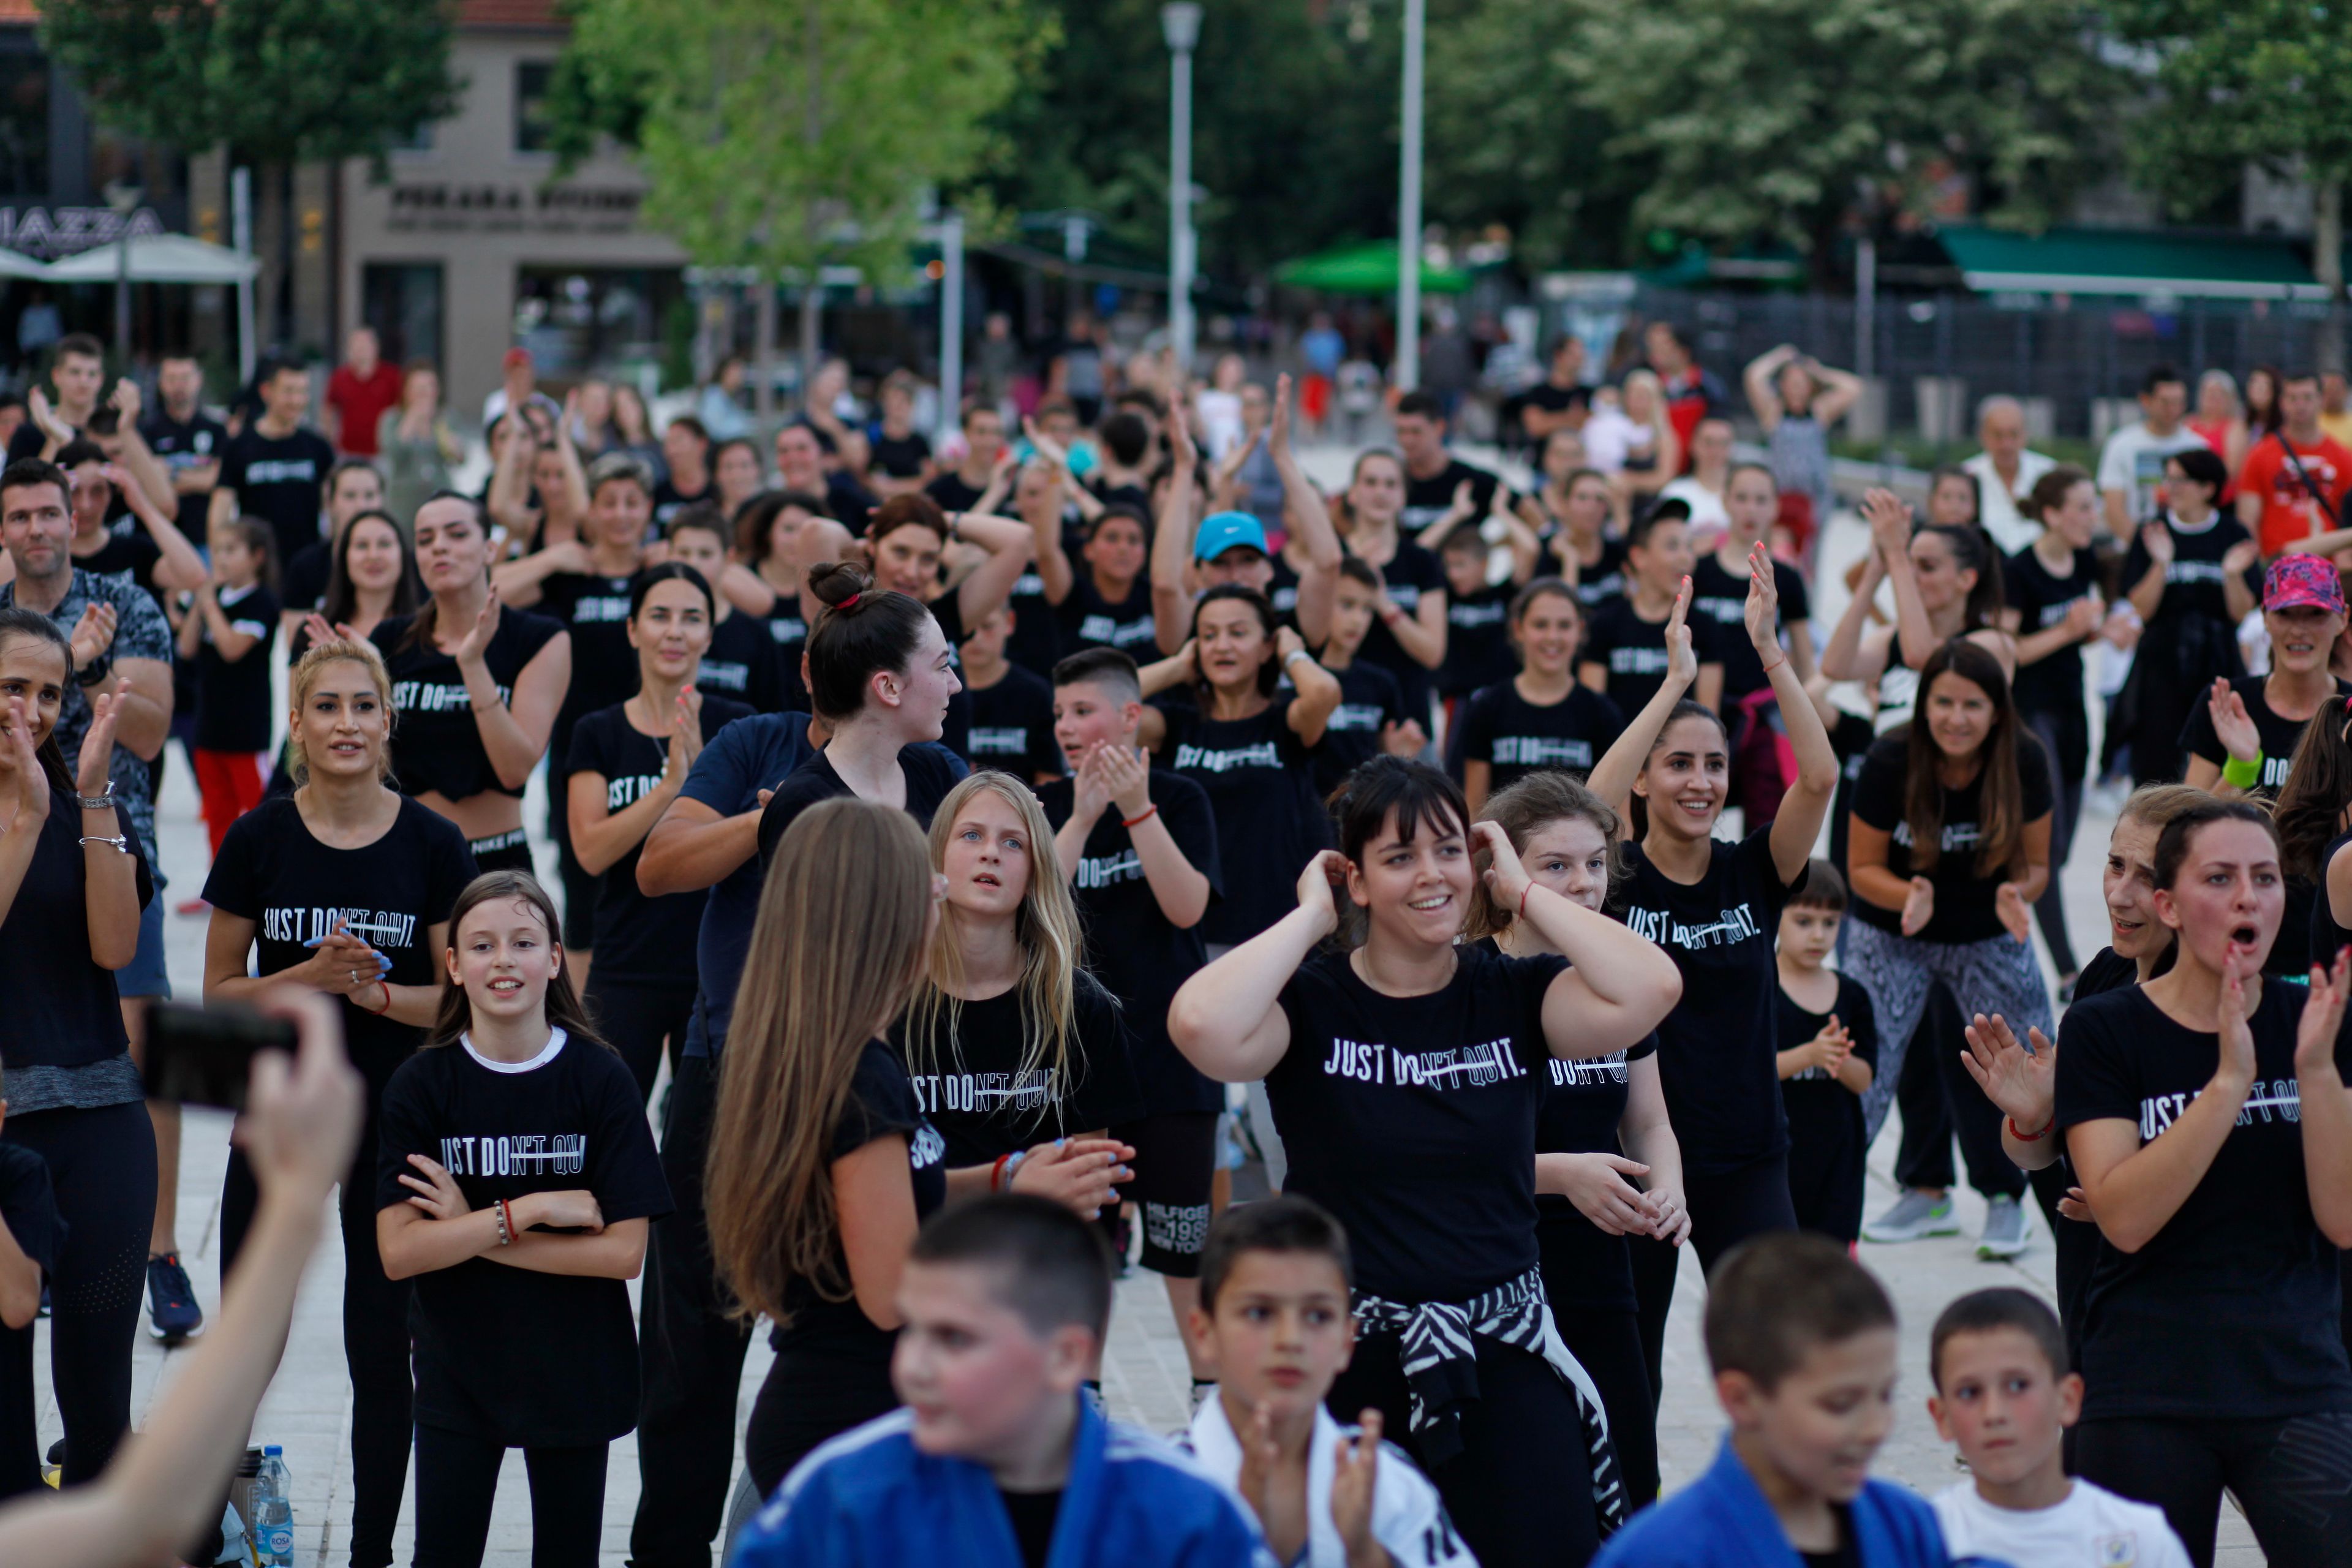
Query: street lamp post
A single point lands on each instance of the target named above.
(123, 197)
(1180, 23)
(1407, 373)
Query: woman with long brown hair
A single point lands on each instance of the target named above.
(822, 1165)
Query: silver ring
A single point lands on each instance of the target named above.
(355, 977)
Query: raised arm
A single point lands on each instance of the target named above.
(1040, 505)
(988, 586)
(179, 566)
(1806, 805)
(154, 475)
(1762, 395)
(1115, 778)
(1171, 545)
(1317, 687)
(1227, 1018)
(514, 734)
(523, 582)
(1612, 776)
(2326, 1103)
(1618, 985)
(1848, 656)
(1311, 524)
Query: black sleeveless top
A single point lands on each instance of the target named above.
(435, 743)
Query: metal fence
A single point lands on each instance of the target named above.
(1938, 355)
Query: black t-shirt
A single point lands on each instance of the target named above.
(1035, 643)
(186, 444)
(1583, 1104)
(956, 728)
(1032, 1515)
(1369, 699)
(1604, 577)
(1514, 737)
(1089, 620)
(1260, 780)
(233, 696)
(2192, 583)
(1716, 1049)
(881, 1103)
(1553, 399)
(930, 777)
(595, 610)
(744, 666)
(899, 456)
(2041, 598)
(1426, 501)
(132, 551)
(1139, 957)
(1965, 900)
(1850, 738)
(279, 483)
(1412, 1119)
(436, 744)
(1477, 640)
(1824, 1114)
(1013, 726)
(63, 1009)
(669, 500)
(637, 938)
(391, 894)
(1722, 598)
(947, 488)
(523, 1358)
(1633, 651)
(2280, 734)
(2230, 1311)
(1410, 574)
(28, 1207)
(303, 582)
(976, 1082)
(789, 632)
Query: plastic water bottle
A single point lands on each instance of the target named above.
(273, 1511)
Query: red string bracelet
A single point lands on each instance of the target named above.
(1149, 812)
(1523, 900)
(1776, 664)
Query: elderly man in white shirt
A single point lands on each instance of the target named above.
(2005, 472)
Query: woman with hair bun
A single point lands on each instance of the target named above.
(881, 674)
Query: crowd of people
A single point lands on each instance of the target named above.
(1090, 844)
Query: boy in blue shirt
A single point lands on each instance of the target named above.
(996, 1460)
(1801, 1340)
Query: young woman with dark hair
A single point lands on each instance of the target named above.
(344, 886)
(628, 761)
(2056, 605)
(475, 688)
(1542, 718)
(72, 881)
(1715, 907)
(908, 540)
(1404, 1072)
(2191, 575)
(741, 663)
(515, 1185)
(881, 677)
(2207, 1114)
(822, 1161)
(372, 578)
(1606, 1163)
(1947, 847)
(1946, 581)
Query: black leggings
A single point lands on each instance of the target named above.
(458, 1480)
(637, 1016)
(1938, 1099)
(2293, 1477)
(811, 1397)
(1726, 1209)
(375, 1344)
(1521, 1490)
(690, 1353)
(1608, 1345)
(102, 1171)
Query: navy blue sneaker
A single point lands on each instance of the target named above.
(172, 1311)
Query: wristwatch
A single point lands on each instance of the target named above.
(103, 802)
(95, 671)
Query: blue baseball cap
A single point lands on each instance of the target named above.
(1223, 531)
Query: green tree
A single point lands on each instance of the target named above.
(2250, 82)
(793, 135)
(1784, 119)
(277, 82)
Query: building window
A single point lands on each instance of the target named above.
(531, 132)
(24, 124)
(419, 139)
(402, 301)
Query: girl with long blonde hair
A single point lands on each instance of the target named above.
(1019, 1056)
(822, 1164)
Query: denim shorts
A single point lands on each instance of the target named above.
(144, 976)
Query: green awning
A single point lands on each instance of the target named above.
(1366, 267)
(2131, 261)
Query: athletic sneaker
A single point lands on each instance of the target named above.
(2004, 1230)
(172, 1311)
(1914, 1216)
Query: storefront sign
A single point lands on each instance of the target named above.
(52, 232)
(462, 208)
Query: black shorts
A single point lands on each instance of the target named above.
(508, 851)
(1175, 1161)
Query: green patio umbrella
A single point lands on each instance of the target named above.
(1364, 267)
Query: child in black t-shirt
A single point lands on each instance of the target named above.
(1477, 612)
(1626, 654)
(228, 639)
(1542, 718)
(516, 1182)
(1827, 1050)
(1371, 717)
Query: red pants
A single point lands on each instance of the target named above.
(231, 785)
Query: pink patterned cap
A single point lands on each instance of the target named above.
(2295, 579)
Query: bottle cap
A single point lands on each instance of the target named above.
(273, 1450)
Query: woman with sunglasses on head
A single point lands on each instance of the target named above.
(344, 886)
(2207, 1114)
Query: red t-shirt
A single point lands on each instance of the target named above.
(2290, 512)
(361, 403)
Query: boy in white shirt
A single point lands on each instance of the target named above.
(2003, 1394)
(1274, 1319)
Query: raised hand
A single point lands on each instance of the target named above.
(478, 637)
(126, 401)
(1406, 739)
(94, 634)
(2239, 556)
(1092, 790)
(98, 741)
(1286, 643)
(25, 760)
(685, 720)
(1355, 1481)
(1682, 654)
(1277, 425)
(2157, 539)
(2232, 725)
(1126, 776)
(1506, 880)
(2083, 618)
(315, 627)
(1261, 1456)
(2323, 1016)
(1919, 907)
(1325, 872)
(1889, 517)
(1763, 608)
(2241, 980)
(2021, 1081)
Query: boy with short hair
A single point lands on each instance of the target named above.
(1825, 1071)
(1274, 1318)
(1801, 1340)
(1371, 718)
(995, 1460)
(2004, 1394)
